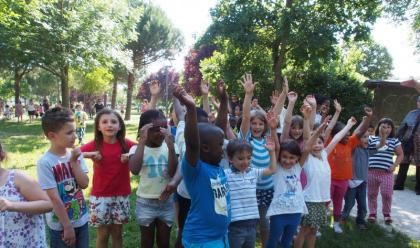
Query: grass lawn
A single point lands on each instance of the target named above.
(25, 144)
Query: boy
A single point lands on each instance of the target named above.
(81, 118)
(63, 175)
(209, 215)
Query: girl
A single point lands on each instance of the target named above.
(242, 181)
(19, 111)
(318, 172)
(22, 201)
(109, 200)
(253, 129)
(31, 110)
(156, 162)
(382, 147)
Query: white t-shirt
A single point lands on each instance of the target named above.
(30, 107)
(318, 174)
(288, 195)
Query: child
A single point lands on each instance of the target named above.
(206, 182)
(358, 184)
(63, 175)
(109, 199)
(7, 112)
(22, 202)
(253, 129)
(156, 162)
(382, 148)
(340, 160)
(318, 172)
(81, 118)
(242, 181)
(19, 111)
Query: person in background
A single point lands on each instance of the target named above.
(99, 105)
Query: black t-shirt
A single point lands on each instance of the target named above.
(46, 106)
(98, 107)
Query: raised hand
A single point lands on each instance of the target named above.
(247, 83)
(337, 106)
(154, 88)
(204, 88)
(221, 88)
(306, 111)
(144, 131)
(285, 84)
(75, 154)
(310, 99)
(272, 120)
(124, 158)
(180, 93)
(368, 111)
(274, 97)
(269, 144)
(352, 121)
(168, 136)
(292, 96)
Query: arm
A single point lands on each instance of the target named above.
(154, 91)
(221, 120)
(313, 138)
(135, 162)
(230, 134)
(364, 125)
(215, 103)
(272, 121)
(171, 186)
(292, 97)
(334, 119)
(282, 98)
(81, 177)
(310, 99)
(172, 158)
(204, 87)
(340, 135)
(400, 156)
(192, 139)
(179, 110)
(273, 160)
(37, 200)
(249, 87)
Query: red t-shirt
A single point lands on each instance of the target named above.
(340, 159)
(111, 177)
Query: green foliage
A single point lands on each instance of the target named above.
(93, 82)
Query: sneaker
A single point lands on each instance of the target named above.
(362, 227)
(337, 228)
(387, 219)
(318, 234)
(372, 218)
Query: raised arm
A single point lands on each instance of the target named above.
(334, 119)
(154, 92)
(292, 97)
(273, 122)
(340, 135)
(281, 98)
(222, 114)
(172, 158)
(271, 147)
(364, 125)
(204, 88)
(249, 87)
(135, 162)
(192, 139)
(179, 110)
(310, 99)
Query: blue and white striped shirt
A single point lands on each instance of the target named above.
(382, 157)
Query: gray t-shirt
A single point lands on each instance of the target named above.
(55, 172)
(360, 161)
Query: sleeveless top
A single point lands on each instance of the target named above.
(19, 229)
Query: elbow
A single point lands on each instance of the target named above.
(84, 184)
(47, 206)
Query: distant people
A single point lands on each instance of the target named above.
(7, 112)
(81, 119)
(235, 104)
(19, 111)
(99, 105)
(45, 105)
(31, 110)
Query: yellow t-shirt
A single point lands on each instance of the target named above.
(81, 118)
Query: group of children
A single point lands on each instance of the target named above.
(221, 186)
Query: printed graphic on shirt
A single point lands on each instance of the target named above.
(288, 198)
(157, 166)
(69, 192)
(219, 191)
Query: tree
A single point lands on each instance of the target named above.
(94, 82)
(166, 77)
(157, 39)
(81, 35)
(293, 31)
(120, 73)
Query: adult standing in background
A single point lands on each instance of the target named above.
(99, 105)
(19, 110)
(45, 105)
(409, 135)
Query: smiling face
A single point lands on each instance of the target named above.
(109, 125)
(317, 147)
(241, 160)
(65, 137)
(364, 140)
(257, 127)
(287, 159)
(296, 131)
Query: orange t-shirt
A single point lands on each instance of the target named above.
(340, 159)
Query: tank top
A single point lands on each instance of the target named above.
(19, 229)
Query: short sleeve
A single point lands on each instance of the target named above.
(130, 143)
(45, 175)
(354, 141)
(189, 172)
(397, 142)
(132, 150)
(88, 147)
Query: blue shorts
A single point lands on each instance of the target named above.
(82, 238)
(219, 243)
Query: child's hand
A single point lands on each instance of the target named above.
(144, 132)
(285, 85)
(69, 236)
(154, 88)
(75, 154)
(204, 88)
(392, 168)
(310, 99)
(183, 96)
(124, 158)
(292, 96)
(352, 121)
(95, 156)
(247, 83)
(167, 191)
(272, 120)
(5, 205)
(269, 144)
(274, 97)
(306, 111)
(168, 136)
(337, 106)
(368, 111)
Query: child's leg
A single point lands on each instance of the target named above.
(82, 236)
(147, 235)
(349, 200)
(102, 236)
(386, 186)
(116, 235)
(373, 190)
(163, 234)
(302, 235)
(361, 203)
(290, 229)
(277, 224)
(264, 225)
(340, 188)
(164, 223)
(184, 206)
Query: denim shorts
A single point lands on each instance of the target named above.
(82, 238)
(148, 210)
(219, 243)
(242, 233)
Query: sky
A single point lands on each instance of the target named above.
(192, 17)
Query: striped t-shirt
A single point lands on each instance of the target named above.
(243, 197)
(382, 157)
(260, 159)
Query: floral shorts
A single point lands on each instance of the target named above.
(109, 210)
(264, 197)
(317, 216)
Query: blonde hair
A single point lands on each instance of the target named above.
(258, 114)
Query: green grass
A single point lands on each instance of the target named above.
(25, 144)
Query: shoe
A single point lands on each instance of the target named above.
(337, 228)
(387, 219)
(362, 227)
(397, 187)
(372, 218)
(318, 234)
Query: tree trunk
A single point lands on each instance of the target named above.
(130, 85)
(65, 92)
(114, 93)
(18, 78)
